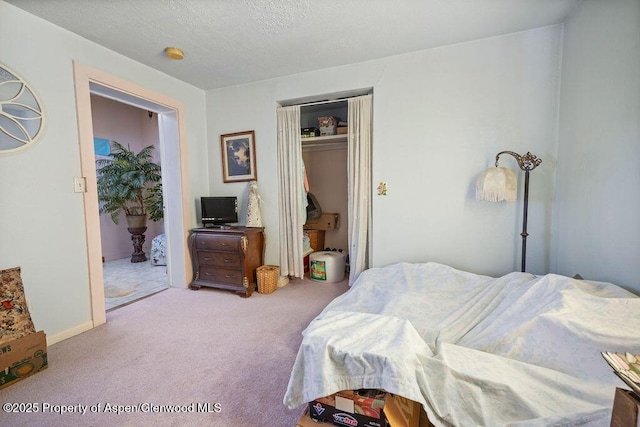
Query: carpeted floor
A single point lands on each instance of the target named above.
(223, 359)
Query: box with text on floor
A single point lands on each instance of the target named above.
(365, 408)
(327, 221)
(22, 357)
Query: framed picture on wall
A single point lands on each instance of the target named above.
(238, 156)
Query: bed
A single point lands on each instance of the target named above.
(519, 350)
(159, 250)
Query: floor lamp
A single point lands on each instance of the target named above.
(499, 184)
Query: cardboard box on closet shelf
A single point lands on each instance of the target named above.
(309, 132)
(353, 408)
(327, 125)
(327, 130)
(342, 130)
(22, 357)
(327, 221)
(626, 409)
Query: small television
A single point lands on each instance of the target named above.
(218, 211)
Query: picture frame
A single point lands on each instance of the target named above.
(238, 156)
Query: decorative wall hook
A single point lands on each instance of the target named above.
(382, 189)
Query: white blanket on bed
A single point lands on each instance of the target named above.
(473, 350)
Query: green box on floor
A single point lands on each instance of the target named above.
(22, 357)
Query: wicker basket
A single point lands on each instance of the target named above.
(267, 278)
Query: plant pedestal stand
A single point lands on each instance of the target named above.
(137, 238)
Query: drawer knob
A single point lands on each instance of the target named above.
(230, 276)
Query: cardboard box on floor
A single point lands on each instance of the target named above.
(626, 409)
(306, 421)
(397, 412)
(22, 357)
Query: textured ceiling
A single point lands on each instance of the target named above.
(230, 42)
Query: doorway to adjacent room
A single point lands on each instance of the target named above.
(128, 277)
(89, 81)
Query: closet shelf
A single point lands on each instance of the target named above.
(328, 142)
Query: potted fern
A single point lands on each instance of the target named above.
(129, 182)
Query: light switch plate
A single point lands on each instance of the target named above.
(79, 184)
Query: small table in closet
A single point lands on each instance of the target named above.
(316, 239)
(226, 257)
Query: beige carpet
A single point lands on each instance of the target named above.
(228, 358)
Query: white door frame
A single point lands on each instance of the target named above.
(172, 128)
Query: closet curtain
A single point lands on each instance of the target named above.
(291, 195)
(359, 177)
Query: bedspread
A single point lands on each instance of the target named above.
(516, 350)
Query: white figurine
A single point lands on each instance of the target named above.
(254, 218)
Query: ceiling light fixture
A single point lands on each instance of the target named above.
(174, 53)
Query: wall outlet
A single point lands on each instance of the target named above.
(79, 184)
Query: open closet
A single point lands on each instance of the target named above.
(325, 162)
(334, 167)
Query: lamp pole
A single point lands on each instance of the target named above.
(527, 163)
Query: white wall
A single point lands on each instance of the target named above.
(597, 231)
(41, 218)
(440, 117)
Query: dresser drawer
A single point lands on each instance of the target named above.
(220, 259)
(218, 243)
(221, 275)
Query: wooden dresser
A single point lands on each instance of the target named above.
(226, 258)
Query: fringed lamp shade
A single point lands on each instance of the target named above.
(496, 184)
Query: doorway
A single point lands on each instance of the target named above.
(126, 281)
(172, 147)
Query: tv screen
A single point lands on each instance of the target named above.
(219, 210)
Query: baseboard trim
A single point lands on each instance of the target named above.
(52, 339)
